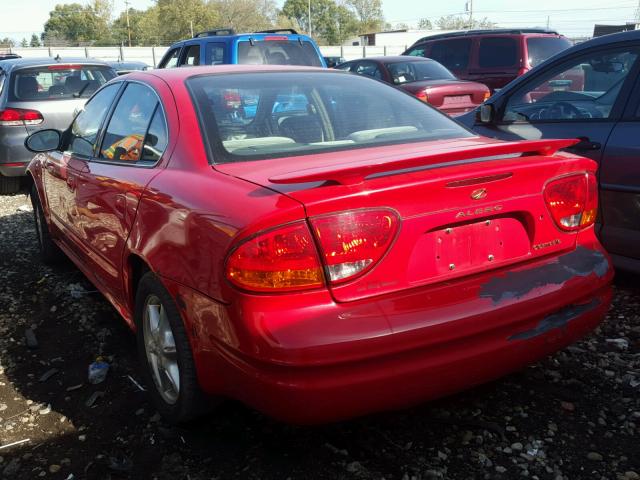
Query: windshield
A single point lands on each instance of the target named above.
(278, 52)
(266, 115)
(406, 72)
(541, 48)
(59, 82)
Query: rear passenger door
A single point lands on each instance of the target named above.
(455, 54)
(498, 61)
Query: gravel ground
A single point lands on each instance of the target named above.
(575, 415)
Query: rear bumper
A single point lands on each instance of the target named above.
(14, 156)
(311, 366)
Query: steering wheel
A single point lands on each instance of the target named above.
(561, 110)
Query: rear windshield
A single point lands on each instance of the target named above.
(407, 72)
(266, 115)
(541, 48)
(58, 82)
(278, 52)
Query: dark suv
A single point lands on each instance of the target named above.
(492, 57)
(225, 46)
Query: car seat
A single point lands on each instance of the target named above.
(73, 84)
(27, 87)
(302, 128)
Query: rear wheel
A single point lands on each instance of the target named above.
(9, 185)
(49, 251)
(165, 353)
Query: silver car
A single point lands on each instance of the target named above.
(37, 93)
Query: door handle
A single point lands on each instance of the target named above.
(586, 145)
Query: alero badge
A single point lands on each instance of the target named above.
(479, 194)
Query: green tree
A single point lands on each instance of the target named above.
(330, 23)
(176, 18)
(24, 43)
(77, 23)
(425, 24)
(120, 32)
(456, 22)
(35, 41)
(368, 13)
(7, 42)
(245, 15)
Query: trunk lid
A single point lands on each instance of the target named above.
(466, 205)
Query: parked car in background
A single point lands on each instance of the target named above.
(122, 68)
(425, 78)
(331, 62)
(361, 254)
(591, 92)
(225, 46)
(38, 93)
(493, 57)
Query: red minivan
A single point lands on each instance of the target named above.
(492, 57)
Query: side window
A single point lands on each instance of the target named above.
(191, 56)
(370, 69)
(156, 139)
(125, 135)
(453, 54)
(85, 127)
(170, 60)
(417, 51)
(586, 87)
(214, 54)
(498, 52)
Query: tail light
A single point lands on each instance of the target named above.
(351, 243)
(286, 258)
(423, 95)
(20, 116)
(278, 260)
(573, 201)
(486, 96)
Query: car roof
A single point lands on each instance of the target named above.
(240, 37)
(15, 63)
(606, 40)
(395, 59)
(183, 73)
(492, 31)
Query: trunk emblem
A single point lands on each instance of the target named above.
(479, 194)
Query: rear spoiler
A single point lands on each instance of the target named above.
(356, 172)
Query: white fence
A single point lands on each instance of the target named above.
(152, 55)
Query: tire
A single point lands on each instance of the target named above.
(165, 354)
(9, 185)
(49, 251)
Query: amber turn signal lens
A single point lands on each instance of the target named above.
(282, 259)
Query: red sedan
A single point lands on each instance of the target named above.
(316, 244)
(427, 79)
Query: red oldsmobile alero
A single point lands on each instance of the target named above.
(316, 244)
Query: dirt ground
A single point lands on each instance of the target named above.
(575, 415)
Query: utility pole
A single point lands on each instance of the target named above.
(638, 13)
(191, 27)
(309, 17)
(548, 21)
(126, 4)
(470, 7)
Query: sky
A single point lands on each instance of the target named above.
(573, 18)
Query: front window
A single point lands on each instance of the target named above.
(59, 82)
(407, 72)
(191, 56)
(584, 88)
(267, 115)
(541, 48)
(278, 52)
(170, 60)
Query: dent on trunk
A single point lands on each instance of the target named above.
(582, 262)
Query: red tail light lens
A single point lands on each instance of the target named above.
(573, 201)
(423, 95)
(20, 116)
(278, 260)
(351, 243)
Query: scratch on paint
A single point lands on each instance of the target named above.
(559, 319)
(582, 262)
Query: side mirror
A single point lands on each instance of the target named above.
(44, 141)
(485, 113)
